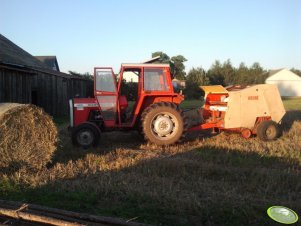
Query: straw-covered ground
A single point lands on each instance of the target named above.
(207, 180)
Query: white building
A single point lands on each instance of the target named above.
(289, 84)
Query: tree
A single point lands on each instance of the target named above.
(242, 74)
(256, 74)
(228, 73)
(296, 71)
(85, 75)
(179, 67)
(215, 74)
(164, 58)
(195, 78)
(252, 75)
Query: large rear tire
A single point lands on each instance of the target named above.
(86, 135)
(163, 123)
(268, 130)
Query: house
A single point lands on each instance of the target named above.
(289, 84)
(25, 79)
(49, 61)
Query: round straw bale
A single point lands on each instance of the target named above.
(28, 136)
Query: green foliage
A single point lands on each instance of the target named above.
(84, 75)
(296, 71)
(179, 66)
(253, 75)
(215, 74)
(225, 74)
(176, 63)
(198, 76)
(164, 58)
(130, 90)
(195, 78)
(228, 72)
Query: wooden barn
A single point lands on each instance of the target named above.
(50, 62)
(52, 90)
(17, 86)
(25, 79)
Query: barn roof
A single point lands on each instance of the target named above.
(272, 72)
(12, 54)
(49, 61)
(282, 75)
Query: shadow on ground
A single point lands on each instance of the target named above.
(202, 186)
(289, 118)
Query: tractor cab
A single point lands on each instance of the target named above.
(122, 97)
(120, 100)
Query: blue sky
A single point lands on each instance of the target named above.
(87, 33)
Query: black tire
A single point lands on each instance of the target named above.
(268, 130)
(163, 123)
(86, 135)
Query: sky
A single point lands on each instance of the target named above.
(88, 33)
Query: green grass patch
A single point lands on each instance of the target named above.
(186, 104)
(292, 103)
(59, 121)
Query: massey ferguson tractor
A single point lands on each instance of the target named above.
(156, 113)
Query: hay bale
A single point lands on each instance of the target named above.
(27, 136)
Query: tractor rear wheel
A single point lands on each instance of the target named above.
(268, 130)
(86, 135)
(163, 123)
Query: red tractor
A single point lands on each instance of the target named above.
(155, 111)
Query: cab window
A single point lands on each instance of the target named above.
(105, 80)
(155, 79)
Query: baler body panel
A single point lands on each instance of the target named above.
(246, 105)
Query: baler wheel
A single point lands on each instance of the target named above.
(246, 133)
(163, 123)
(268, 130)
(86, 135)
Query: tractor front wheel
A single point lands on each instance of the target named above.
(268, 130)
(163, 123)
(86, 135)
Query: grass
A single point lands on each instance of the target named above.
(60, 121)
(292, 103)
(207, 180)
(191, 104)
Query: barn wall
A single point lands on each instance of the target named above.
(15, 86)
(46, 90)
(50, 93)
(54, 91)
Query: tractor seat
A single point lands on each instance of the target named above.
(123, 103)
